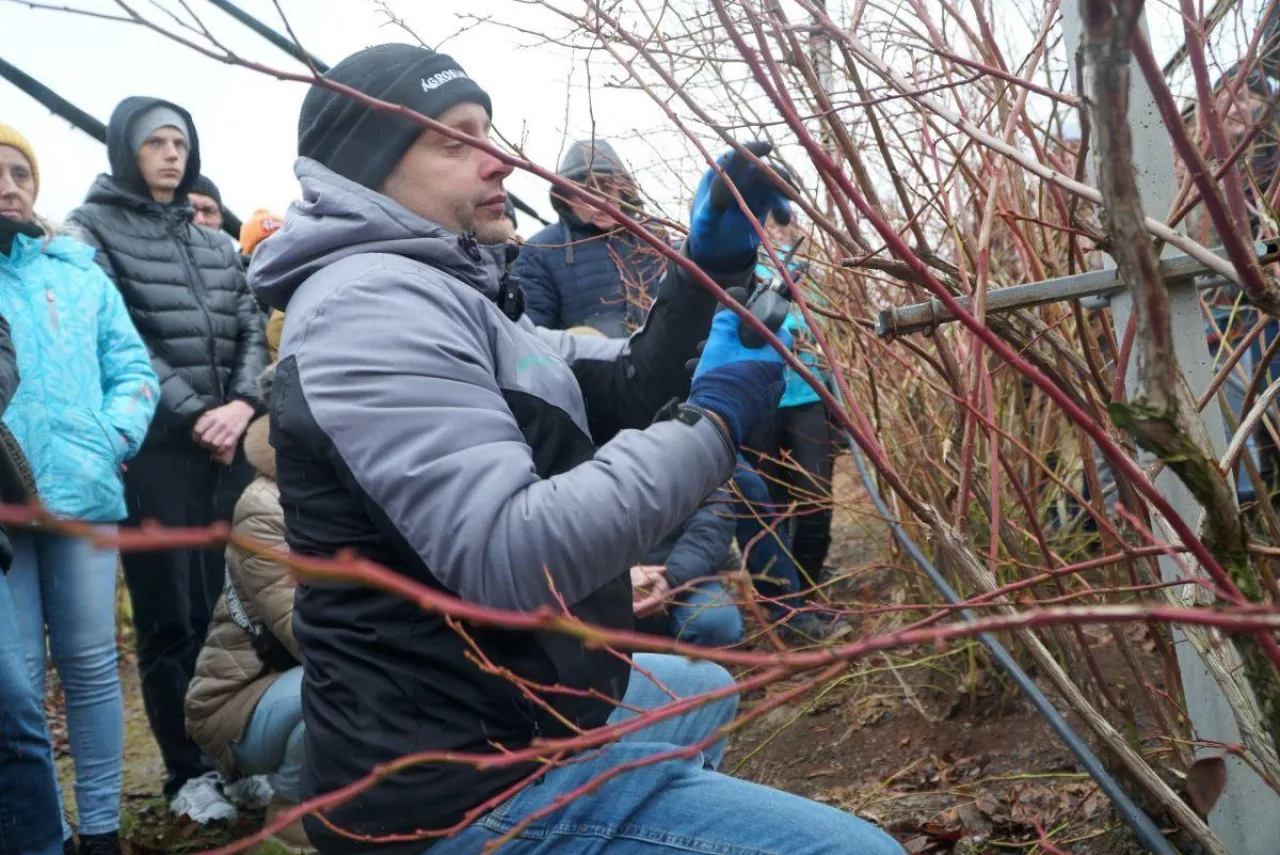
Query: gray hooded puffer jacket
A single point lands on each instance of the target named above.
(420, 425)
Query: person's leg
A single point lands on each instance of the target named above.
(272, 741)
(658, 679)
(78, 584)
(769, 560)
(669, 806)
(215, 504)
(706, 615)
(158, 484)
(30, 809)
(211, 504)
(763, 454)
(809, 484)
(26, 591)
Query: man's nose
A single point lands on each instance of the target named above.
(495, 168)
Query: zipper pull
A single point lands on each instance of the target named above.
(53, 308)
(470, 246)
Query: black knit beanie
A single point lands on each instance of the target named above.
(364, 144)
(205, 187)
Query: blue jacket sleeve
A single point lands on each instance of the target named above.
(541, 296)
(700, 552)
(130, 388)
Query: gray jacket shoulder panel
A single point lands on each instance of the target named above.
(407, 371)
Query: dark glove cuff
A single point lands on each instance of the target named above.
(691, 414)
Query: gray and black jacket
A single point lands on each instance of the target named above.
(181, 282)
(418, 425)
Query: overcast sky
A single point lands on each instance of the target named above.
(248, 122)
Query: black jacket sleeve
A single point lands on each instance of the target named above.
(8, 468)
(625, 387)
(8, 366)
(251, 347)
(700, 552)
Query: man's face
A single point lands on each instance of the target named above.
(17, 185)
(162, 160)
(208, 213)
(1242, 112)
(453, 184)
(617, 188)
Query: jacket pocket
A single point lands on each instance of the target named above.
(115, 441)
(82, 478)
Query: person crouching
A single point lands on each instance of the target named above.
(244, 705)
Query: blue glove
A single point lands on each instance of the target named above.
(720, 235)
(742, 385)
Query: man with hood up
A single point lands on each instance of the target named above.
(189, 301)
(586, 270)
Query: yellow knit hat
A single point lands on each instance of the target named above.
(9, 136)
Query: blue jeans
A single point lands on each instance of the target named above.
(272, 741)
(706, 615)
(673, 806)
(769, 560)
(65, 586)
(30, 812)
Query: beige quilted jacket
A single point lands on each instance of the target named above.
(229, 678)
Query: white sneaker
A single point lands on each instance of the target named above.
(201, 800)
(252, 792)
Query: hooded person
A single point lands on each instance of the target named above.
(187, 297)
(422, 422)
(585, 269)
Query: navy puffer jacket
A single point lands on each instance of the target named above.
(181, 282)
(576, 275)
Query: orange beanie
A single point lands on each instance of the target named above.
(262, 225)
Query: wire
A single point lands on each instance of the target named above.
(1137, 819)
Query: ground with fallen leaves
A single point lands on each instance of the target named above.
(929, 745)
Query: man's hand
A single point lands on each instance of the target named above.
(721, 238)
(220, 429)
(224, 458)
(649, 588)
(742, 385)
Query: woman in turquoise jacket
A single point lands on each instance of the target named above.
(799, 431)
(86, 397)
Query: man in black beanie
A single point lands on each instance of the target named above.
(206, 203)
(421, 421)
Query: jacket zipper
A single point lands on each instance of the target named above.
(201, 295)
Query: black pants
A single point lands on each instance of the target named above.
(802, 434)
(174, 591)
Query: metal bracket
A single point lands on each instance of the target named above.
(923, 317)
